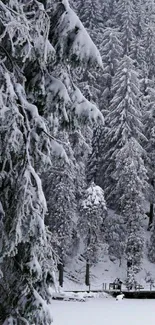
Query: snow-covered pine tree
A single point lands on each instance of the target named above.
(148, 43)
(151, 245)
(125, 21)
(143, 43)
(123, 120)
(62, 113)
(131, 177)
(28, 34)
(149, 46)
(137, 52)
(111, 52)
(93, 162)
(60, 190)
(149, 122)
(140, 14)
(92, 216)
(80, 140)
(91, 15)
(26, 256)
(109, 9)
(115, 235)
(145, 26)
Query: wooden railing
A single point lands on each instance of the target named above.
(122, 287)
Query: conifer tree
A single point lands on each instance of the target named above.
(109, 12)
(81, 145)
(131, 188)
(111, 54)
(151, 250)
(149, 122)
(123, 120)
(32, 42)
(125, 19)
(91, 222)
(91, 15)
(60, 191)
(115, 234)
(93, 162)
(149, 45)
(137, 52)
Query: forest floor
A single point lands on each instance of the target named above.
(104, 311)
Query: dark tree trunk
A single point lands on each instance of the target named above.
(150, 216)
(87, 277)
(151, 212)
(61, 273)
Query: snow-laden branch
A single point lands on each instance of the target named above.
(71, 30)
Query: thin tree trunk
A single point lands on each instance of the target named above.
(151, 215)
(151, 212)
(87, 277)
(61, 273)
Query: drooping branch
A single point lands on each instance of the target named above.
(53, 138)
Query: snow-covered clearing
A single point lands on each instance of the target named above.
(104, 311)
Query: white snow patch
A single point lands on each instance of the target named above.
(83, 47)
(104, 311)
(84, 108)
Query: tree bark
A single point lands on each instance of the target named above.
(61, 274)
(87, 277)
(151, 215)
(151, 212)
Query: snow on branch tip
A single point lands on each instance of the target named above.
(81, 47)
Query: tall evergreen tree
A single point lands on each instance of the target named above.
(137, 51)
(151, 251)
(125, 19)
(111, 52)
(149, 45)
(91, 222)
(93, 162)
(131, 176)
(115, 234)
(29, 35)
(91, 15)
(149, 122)
(109, 12)
(60, 191)
(123, 120)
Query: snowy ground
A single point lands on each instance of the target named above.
(107, 270)
(104, 311)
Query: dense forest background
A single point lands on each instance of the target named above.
(77, 141)
(117, 156)
(121, 156)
